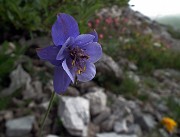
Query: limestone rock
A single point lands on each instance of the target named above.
(135, 129)
(71, 91)
(97, 99)
(74, 114)
(107, 125)
(19, 127)
(102, 116)
(52, 136)
(112, 134)
(33, 90)
(120, 126)
(107, 66)
(146, 121)
(19, 77)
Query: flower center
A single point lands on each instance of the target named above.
(79, 58)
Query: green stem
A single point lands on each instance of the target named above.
(47, 113)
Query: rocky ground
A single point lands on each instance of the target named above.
(91, 109)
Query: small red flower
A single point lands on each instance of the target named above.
(90, 24)
(97, 21)
(108, 20)
(101, 36)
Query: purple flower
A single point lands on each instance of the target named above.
(72, 54)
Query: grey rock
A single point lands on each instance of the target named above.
(102, 116)
(112, 134)
(19, 78)
(52, 136)
(84, 86)
(154, 96)
(107, 66)
(162, 108)
(11, 48)
(5, 115)
(146, 121)
(163, 133)
(33, 90)
(19, 127)
(97, 99)
(135, 129)
(74, 114)
(8, 115)
(108, 124)
(148, 30)
(44, 105)
(49, 86)
(71, 91)
(120, 126)
(133, 76)
(93, 129)
(161, 74)
(129, 118)
(132, 66)
(123, 107)
(114, 11)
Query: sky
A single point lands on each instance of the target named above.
(156, 8)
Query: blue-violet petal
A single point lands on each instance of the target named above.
(61, 80)
(69, 70)
(64, 27)
(83, 39)
(89, 73)
(94, 50)
(95, 34)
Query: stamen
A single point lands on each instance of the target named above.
(73, 63)
(79, 71)
(84, 68)
(79, 58)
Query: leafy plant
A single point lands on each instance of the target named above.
(9, 54)
(174, 107)
(26, 16)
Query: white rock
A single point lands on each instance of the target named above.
(112, 134)
(74, 114)
(98, 100)
(120, 126)
(135, 129)
(107, 66)
(33, 90)
(133, 76)
(45, 105)
(52, 136)
(19, 78)
(19, 127)
(132, 66)
(146, 121)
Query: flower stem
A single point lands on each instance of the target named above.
(47, 113)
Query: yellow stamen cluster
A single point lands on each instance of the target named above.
(169, 124)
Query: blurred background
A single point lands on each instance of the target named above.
(136, 92)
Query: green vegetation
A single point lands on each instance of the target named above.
(9, 53)
(27, 16)
(175, 33)
(127, 87)
(122, 40)
(149, 57)
(174, 107)
(6, 102)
